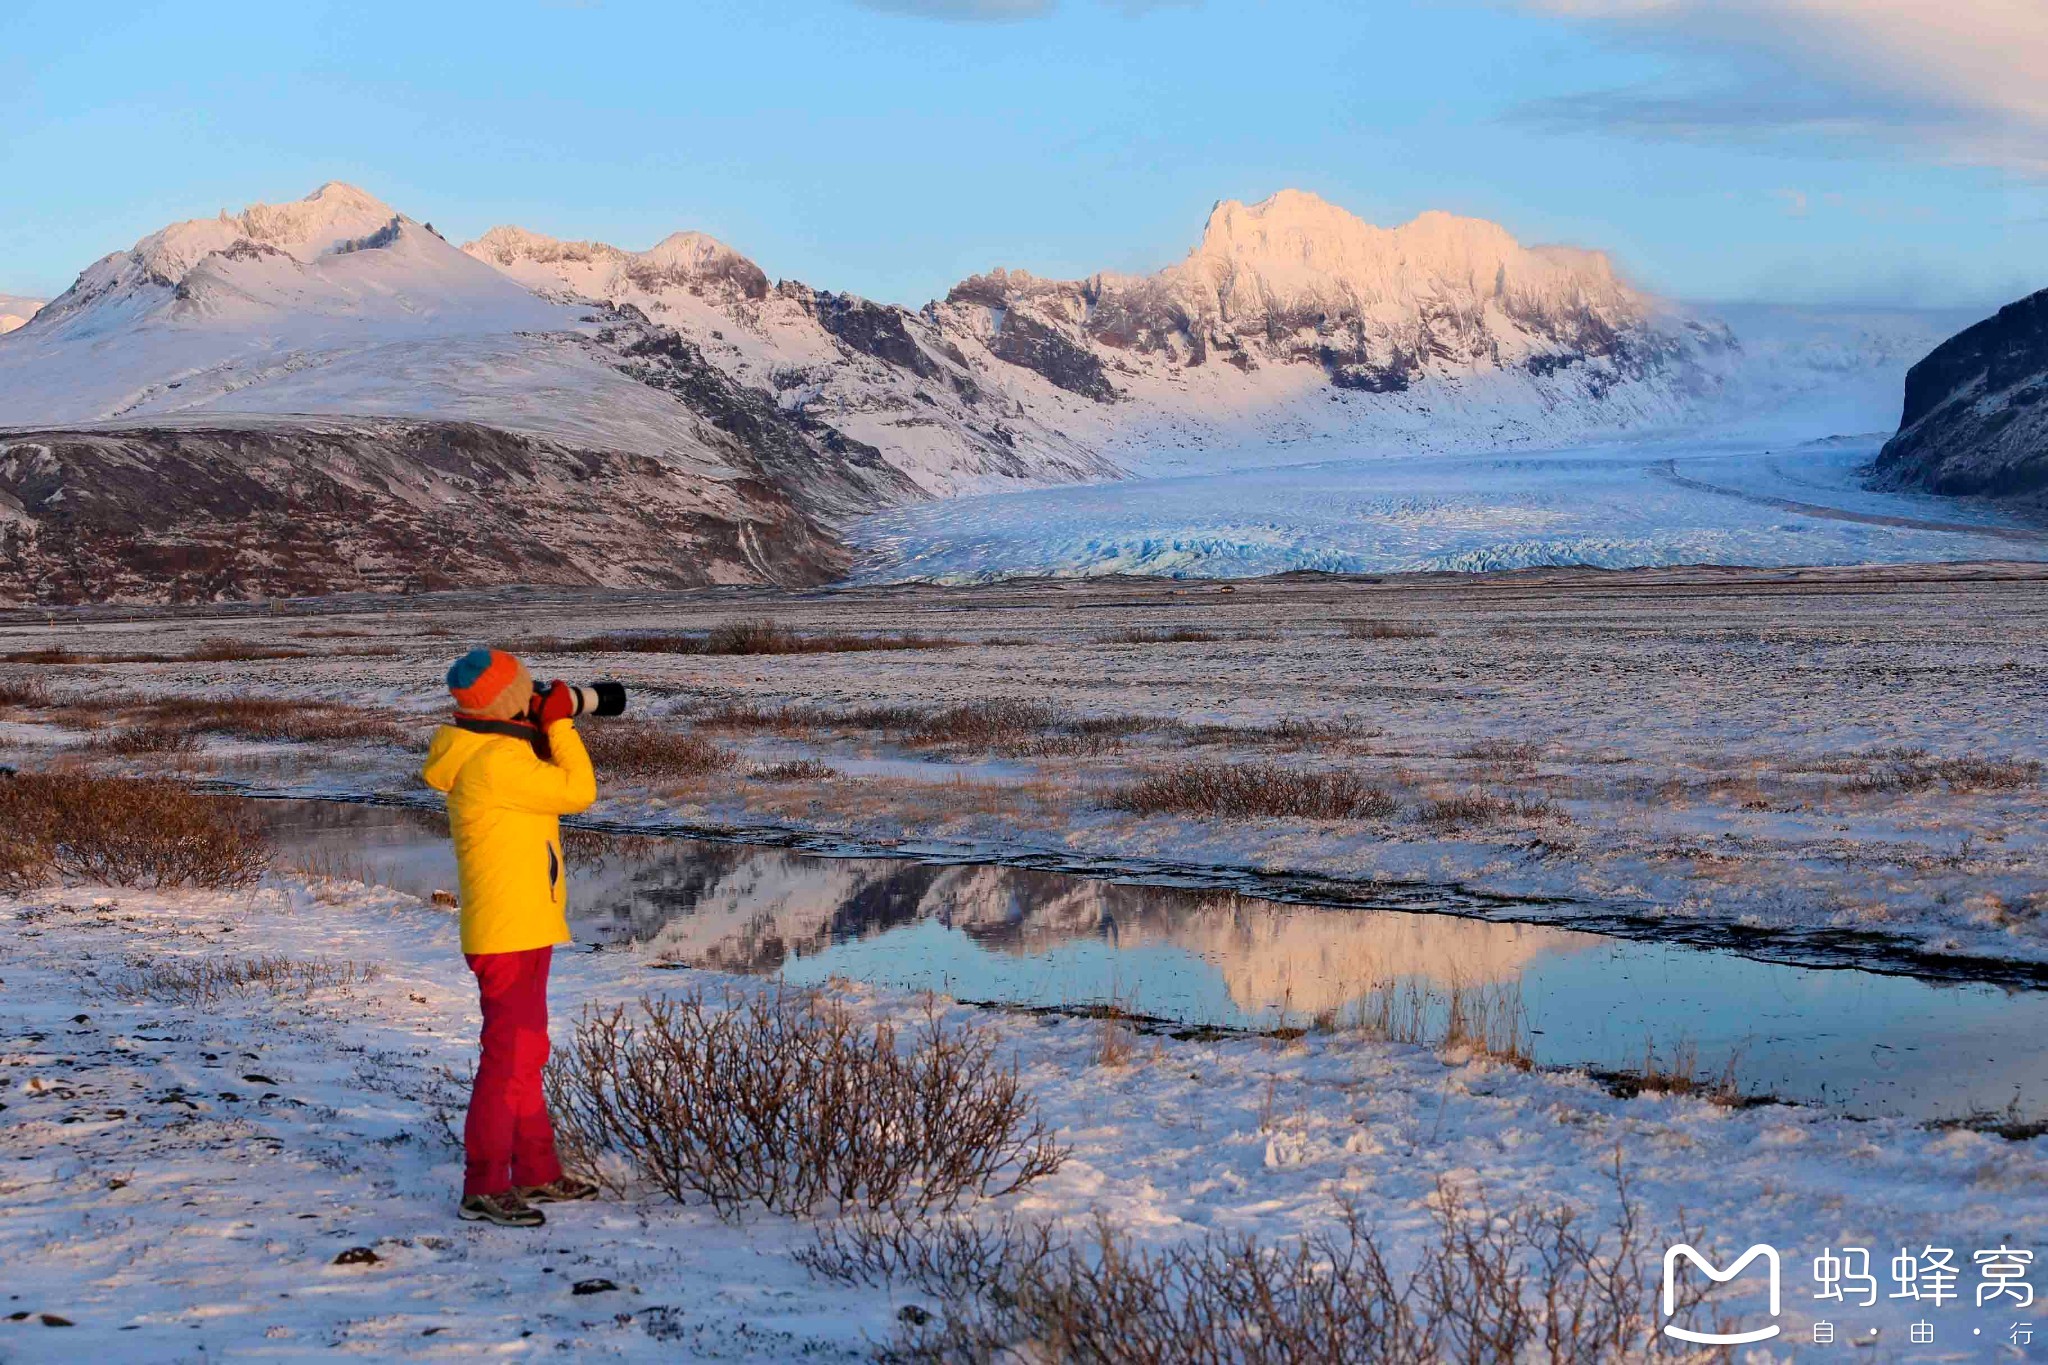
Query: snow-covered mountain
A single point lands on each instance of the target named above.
(302, 361)
(949, 421)
(16, 310)
(1293, 320)
(1296, 280)
(1292, 324)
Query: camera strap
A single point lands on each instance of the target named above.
(514, 729)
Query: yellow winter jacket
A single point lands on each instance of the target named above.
(503, 807)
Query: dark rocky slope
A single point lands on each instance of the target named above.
(231, 509)
(1976, 412)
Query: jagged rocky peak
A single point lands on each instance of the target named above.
(1297, 250)
(1295, 278)
(692, 261)
(331, 217)
(232, 260)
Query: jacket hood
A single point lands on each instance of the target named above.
(448, 753)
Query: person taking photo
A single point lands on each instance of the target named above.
(511, 764)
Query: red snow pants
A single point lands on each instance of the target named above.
(507, 1139)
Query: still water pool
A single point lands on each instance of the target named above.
(1858, 1041)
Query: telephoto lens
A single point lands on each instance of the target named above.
(600, 699)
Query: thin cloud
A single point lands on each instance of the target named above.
(1958, 80)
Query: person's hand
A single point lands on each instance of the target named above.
(556, 702)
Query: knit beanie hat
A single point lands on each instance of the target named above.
(480, 679)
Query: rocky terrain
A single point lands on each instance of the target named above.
(191, 510)
(1974, 419)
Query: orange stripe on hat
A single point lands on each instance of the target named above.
(495, 678)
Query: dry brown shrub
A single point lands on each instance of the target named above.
(1173, 635)
(639, 750)
(1516, 753)
(791, 1102)
(274, 719)
(884, 718)
(1250, 791)
(117, 831)
(954, 1255)
(1914, 771)
(1491, 1287)
(1387, 630)
(222, 649)
(763, 636)
(142, 739)
(1115, 725)
(205, 980)
(1292, 731)
(795, 770)
(1001, 722)
(1479, 808)
(32, 693)
(749, 717)
(620, 643)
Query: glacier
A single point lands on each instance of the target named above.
(1617, 505)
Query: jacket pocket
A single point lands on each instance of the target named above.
(554, 874)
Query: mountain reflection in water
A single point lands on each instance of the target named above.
(1858, 1040)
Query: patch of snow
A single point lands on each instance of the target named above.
(182, 1179)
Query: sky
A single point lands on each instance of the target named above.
(1842, 151)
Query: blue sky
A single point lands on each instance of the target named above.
(1837, 150)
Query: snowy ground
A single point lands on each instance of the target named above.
(178, 1180)
(1614, 505)
(1698, 735)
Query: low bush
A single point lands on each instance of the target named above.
(986, 724)
(1177, 635)
(790, 1102)
(747, 717)
(25, 692)
(1292, 731)
(1387, 630)
(796, 770)
(1479, 808)
(274, 719)
(1514, 753)
(204, 980)
(631, 750)
(1909, 770)
(882, 718)
(1250, 791)
(116, 831)
(763, 636)
(137, 740)
(227, 649)
(216, 649)
(766, 637)
(1490, 1287)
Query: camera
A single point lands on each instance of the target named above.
(599, 699)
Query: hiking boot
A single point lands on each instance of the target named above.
(565, 1189)
(507, 1210)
